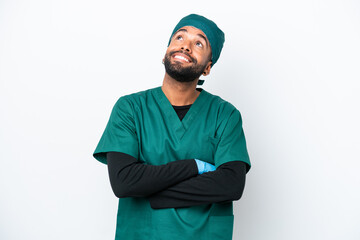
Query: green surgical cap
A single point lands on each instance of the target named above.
(214, 34)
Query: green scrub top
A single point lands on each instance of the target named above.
(145, 126)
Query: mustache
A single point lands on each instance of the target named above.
(185, 53)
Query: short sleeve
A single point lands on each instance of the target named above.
(120, 133)
(232, 144)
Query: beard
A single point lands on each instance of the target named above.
(181, 73)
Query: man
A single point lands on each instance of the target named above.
(176, 154)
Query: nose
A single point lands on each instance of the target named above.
(186, 46)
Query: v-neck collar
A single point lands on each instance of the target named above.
(172, 119)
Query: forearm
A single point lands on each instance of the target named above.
(225, 184)
(130, 178)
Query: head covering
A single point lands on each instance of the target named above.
(214, 34)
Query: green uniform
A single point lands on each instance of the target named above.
(145, 126)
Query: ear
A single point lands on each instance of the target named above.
(207, 69)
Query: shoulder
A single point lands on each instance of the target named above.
(138, 96)
(223, 108)
(228, 117)
(134, 100)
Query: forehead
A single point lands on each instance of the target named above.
(191, 30)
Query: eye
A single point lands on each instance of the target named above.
(199, 44)
(179, 37)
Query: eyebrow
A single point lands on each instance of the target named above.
(200, 35)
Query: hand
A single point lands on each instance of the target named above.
(204, 167)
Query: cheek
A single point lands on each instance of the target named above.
(171, 48)
(203, 58)
(173, 44)
(167, 55)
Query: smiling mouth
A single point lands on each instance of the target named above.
(181, 58)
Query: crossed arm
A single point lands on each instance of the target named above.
(176, 184)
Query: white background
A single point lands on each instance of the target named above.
(290, 67)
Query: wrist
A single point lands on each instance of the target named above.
(200, 166)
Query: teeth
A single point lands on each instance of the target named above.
(181, 57)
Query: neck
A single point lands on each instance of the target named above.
(179, 93)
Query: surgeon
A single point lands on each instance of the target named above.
(176, 154)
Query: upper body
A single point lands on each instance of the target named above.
(153, 155)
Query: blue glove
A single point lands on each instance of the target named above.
(204, 167)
